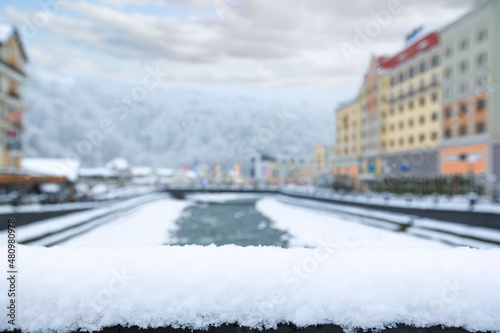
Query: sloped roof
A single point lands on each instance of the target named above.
(8, 31)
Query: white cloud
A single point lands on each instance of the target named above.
(279, 43)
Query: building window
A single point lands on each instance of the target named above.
(464, 44)
(422, 120)
(482, 35)
(481, 81)
(434, 116)
(481, 104)
(448, 73)
(410, 140)
(464, 66)
(463, 109)
(435, 61)
(435, 136)
(447, 133)
(434, 80)
(392, 143)
(401, 125)
(448, 92)
(423, 67)
(434, 97)
(422, 137)
(391, 111)
(401, 108)
(410, 123)
(401, 142)
(463, 130)
(447, 112)
(481, 127)
(412, 72)
(410, 105)
(401, 77)
(449, 52)
(463, 87)
(422, 101)
(422, 85)
(481, 59)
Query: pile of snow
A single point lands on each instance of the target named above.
(66, 289)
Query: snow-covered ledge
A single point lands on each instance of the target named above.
(65, 289)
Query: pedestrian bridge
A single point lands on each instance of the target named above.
(180, 191)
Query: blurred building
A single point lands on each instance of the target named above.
(264, 169)
(373, 99)
(348, 139)
(283, 169)
(323, 158)
(299, 170)
(432, 108)
(471, 93)
(412, 124)
(12, 78)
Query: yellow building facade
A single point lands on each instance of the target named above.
(12, 77)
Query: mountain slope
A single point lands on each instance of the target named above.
(75, 117)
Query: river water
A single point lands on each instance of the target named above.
(232, 222)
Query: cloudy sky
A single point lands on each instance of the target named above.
(258, 45)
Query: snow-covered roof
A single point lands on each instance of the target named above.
(6, 31)
(51, 167)
(142, 171)
(96, 172)
(118, 164)
(164, 172)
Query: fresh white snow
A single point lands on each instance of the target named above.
(454, 203)
(222, 197)
(109, 219)
(453, 233)
(51, 167)
(312, 228)
(150, 224)
(64, 289)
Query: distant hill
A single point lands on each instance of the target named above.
(80, 117)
